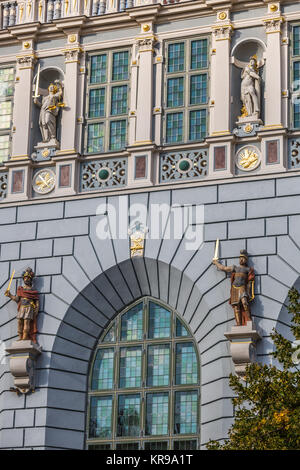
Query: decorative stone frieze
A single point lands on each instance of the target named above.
(3, 185)
(146, 44)
(294, 153)
(183, 165)
(103, 174)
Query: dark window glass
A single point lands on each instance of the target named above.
(156, 445)
(129, 415)
(158, 365)
(186, 404)
(132, 324)
(157, 414)
(186, 364)
(130, 367)
(103, 372)
(185, 445)
(100, 417)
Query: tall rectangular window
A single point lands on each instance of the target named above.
(295, 77)
(6, 104)
(186, 91)
(107, 102)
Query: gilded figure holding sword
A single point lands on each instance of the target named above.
(242, 286)
(28, 306)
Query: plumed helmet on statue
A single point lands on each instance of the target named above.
(244, 254)
(28, 273)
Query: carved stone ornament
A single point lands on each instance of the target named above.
(26, 61)
(273, 25)
(72, 55)
(23, 355)
(147, 43)
(222, 32)
(44, 181)
(243, 346)
(248, 158)
(137, 239)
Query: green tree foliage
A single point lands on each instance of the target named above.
(267, 401)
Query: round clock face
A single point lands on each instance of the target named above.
(43, 181)
(248, 158)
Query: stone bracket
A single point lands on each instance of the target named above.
(243, 341)
(23, 355)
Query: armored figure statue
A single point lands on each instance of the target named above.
(250, 89)
(28, 307)
(50, 106)
(242, 287)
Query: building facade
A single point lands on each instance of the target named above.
(133, 134)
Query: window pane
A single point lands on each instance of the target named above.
(96, 137)
(198, 89)
(132, 324)
(180, 329)
(127, 446)
(176, 57)
(117, 135)
(175, 92)
(157, 417)
(158, 365)
(5, 114)
(119, 100)
(99, 447)
(98, 68)
(129, 415)
(130, 367)
(296, 115)
(185, 445)
(296, 72)
(186, 364)
(156, 445)
(103, 372)
(174, 127)
(4, 147)
(186, 404)
(110, 335)
(97, 103)
(197, 124)
(159, 321)
(296, 40)
(6, 82)
(120, 66)
(199, 54)
(100, 418)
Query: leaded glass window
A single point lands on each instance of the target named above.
(144, 384)
(7, 75)
(186, 91)
(295, 77)
(107, 102)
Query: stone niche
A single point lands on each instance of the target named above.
(48, 75)
(240, 56)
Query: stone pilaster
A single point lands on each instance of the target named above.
(72, 53)
(145, 45)
(23, 101)
(273, 85)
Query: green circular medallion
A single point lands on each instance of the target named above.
(184, 165)
(103, 174)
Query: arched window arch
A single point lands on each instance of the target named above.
(145, 382)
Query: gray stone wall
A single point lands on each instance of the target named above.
(85, 281)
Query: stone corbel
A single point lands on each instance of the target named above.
(23, 355)
(243, 341)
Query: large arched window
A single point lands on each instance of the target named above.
(144, 384)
